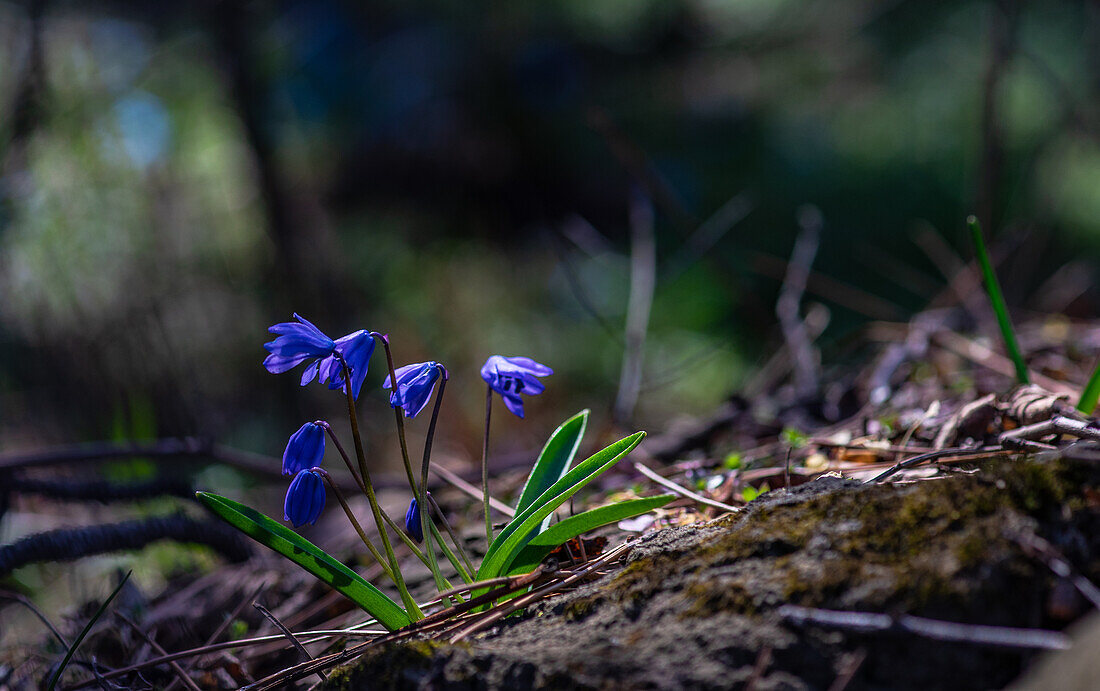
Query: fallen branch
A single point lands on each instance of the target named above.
(985, 452)
(935, 629)
(682, 491)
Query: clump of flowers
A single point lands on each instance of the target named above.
(342, 364)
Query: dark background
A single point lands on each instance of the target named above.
(175, 177)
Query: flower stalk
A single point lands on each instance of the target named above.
(485, 465)
(355, 523)
(467, 575)
(410, 604)
(398, 415)
(426, 524)
(344, 455)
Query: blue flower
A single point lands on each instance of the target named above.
(414, 386)
(296, 343)
(305, 449)
(304, 499)
(356, 349)
(511, 376)
(412, 522)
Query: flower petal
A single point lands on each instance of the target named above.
(514, 404)
(309, 373)
(532, 367)
(414, 387)
(305, 449)
(412, 522)
(305, 498)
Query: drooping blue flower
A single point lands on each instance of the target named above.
(511, 376)
(295, 343)
(415, 384)
(304, 498)
(356, 349)
(305, 449)
(412, 522)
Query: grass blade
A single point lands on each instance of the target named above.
(84, 632)
(1091, 395)
(993, 289)
(309, 556)
(536, 550)
(554, 461)
(515, 535)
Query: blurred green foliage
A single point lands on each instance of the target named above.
(173, 180)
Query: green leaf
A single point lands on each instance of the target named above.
(84, 632)
(309, 556)
(732, 461)
(554, 461)
(1091, 395)
(516, 534)
(536, 550)
(993, 288)
(794, 437)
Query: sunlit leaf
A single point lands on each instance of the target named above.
(554, 461)
(309, 556)
(993, 288)
(515, 535)
(1091, 395)
(563, 531)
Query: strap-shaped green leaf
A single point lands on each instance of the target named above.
(309, 556)
(516, 534)
(84, 632)
(554, 461)
(563, 531)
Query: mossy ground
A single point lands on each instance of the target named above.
(694, 607)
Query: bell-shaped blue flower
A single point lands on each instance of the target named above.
(305, 449)
(295, 343)
(356, 349)
(415, 384)
(412, 522)
(304, 499)
(511, 376)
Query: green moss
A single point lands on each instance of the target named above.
(580, 608)
(705, 600)
(941, 547)
(385, 666)
(905, 546)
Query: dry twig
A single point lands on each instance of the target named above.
(682, 491)
(977, 634)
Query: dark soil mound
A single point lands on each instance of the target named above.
(700, 607)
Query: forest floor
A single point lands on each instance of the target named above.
(911, 519)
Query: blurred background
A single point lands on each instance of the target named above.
(508, 177)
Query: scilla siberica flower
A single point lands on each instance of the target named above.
(412, 522)
(356, 349)
(298, 342)
(295, 343)
(305, 449)
(304, 499)
(511, 376)
(414, 386)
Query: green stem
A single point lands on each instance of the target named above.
(358, 528)
(408, 541)
(467, 573)
(485, 465)
(993, 288)
(398, 413)
(410, 604)
(343, 454)
(426, 524)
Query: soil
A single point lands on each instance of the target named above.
(697, 607)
